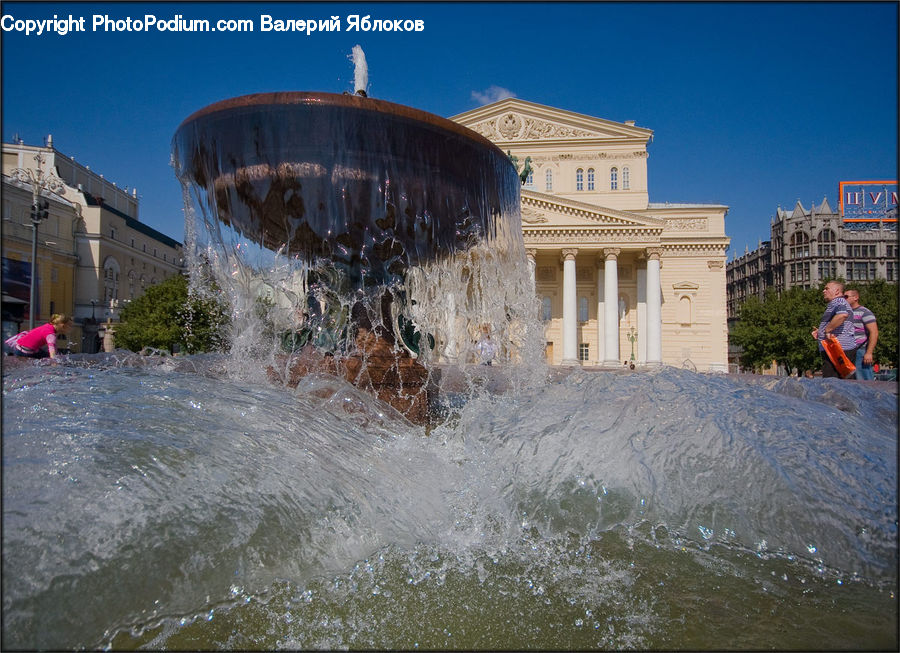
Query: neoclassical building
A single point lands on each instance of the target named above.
(620, 278)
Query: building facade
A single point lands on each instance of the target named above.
(620, 279)
(92, 240)
(811, 246)
(57, 257)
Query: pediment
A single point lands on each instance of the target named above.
(540, 210)
(686, 286)
(514, 120)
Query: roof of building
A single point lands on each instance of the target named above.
(131, 222)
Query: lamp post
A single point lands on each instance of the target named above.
(632, 337)
(39, 211)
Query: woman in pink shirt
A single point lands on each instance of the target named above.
(40, 341)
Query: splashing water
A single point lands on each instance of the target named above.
(360, 70)
(172, 503)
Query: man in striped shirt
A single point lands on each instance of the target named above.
(865, 334)
(837, 322)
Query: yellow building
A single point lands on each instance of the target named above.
(620, 278)
(93, 252)
(56, 258)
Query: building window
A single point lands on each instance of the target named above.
(590, 179)
(861, 251)
(582, 309)
(860, 271)
(613, 178)
(891, 271)
(546, 309)
(579, 179)
(799, 245)
(626, 178)
(529, 180)
(827, 270)
(827, 243)
(548, 180)
(584, 351)
(110, 279)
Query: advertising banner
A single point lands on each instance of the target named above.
(868, 201)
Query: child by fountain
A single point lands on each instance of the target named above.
(40, 342)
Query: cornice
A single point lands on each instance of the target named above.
(693, 249)
(595, 237)
(591, 211)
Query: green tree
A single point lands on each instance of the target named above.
(778, 329)
(167, 314)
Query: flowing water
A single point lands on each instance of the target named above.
(164, 502)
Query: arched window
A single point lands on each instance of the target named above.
(529, 181)
(613, 178)
(579, 179)
(131, 279)
(827, 243)
(626, 178)
(548, 180)
(582, 309)
(799, 245)
(546, 309)
(590, 179)
(110, 279)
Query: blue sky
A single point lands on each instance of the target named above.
(753, 105)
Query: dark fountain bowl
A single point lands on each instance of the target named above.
(370, 186)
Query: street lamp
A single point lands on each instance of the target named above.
(40, 209)
(632, 337)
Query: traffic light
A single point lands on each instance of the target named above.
(41, 210)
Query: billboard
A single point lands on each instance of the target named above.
(868, 201)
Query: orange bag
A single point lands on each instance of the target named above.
(835, 352)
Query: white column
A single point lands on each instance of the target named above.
(531, 256)
(570, 308)
(611, 312)
(654, 309)
(600, 312)
(642, 316)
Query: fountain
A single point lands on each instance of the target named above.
(190, 503)
(376, 208)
